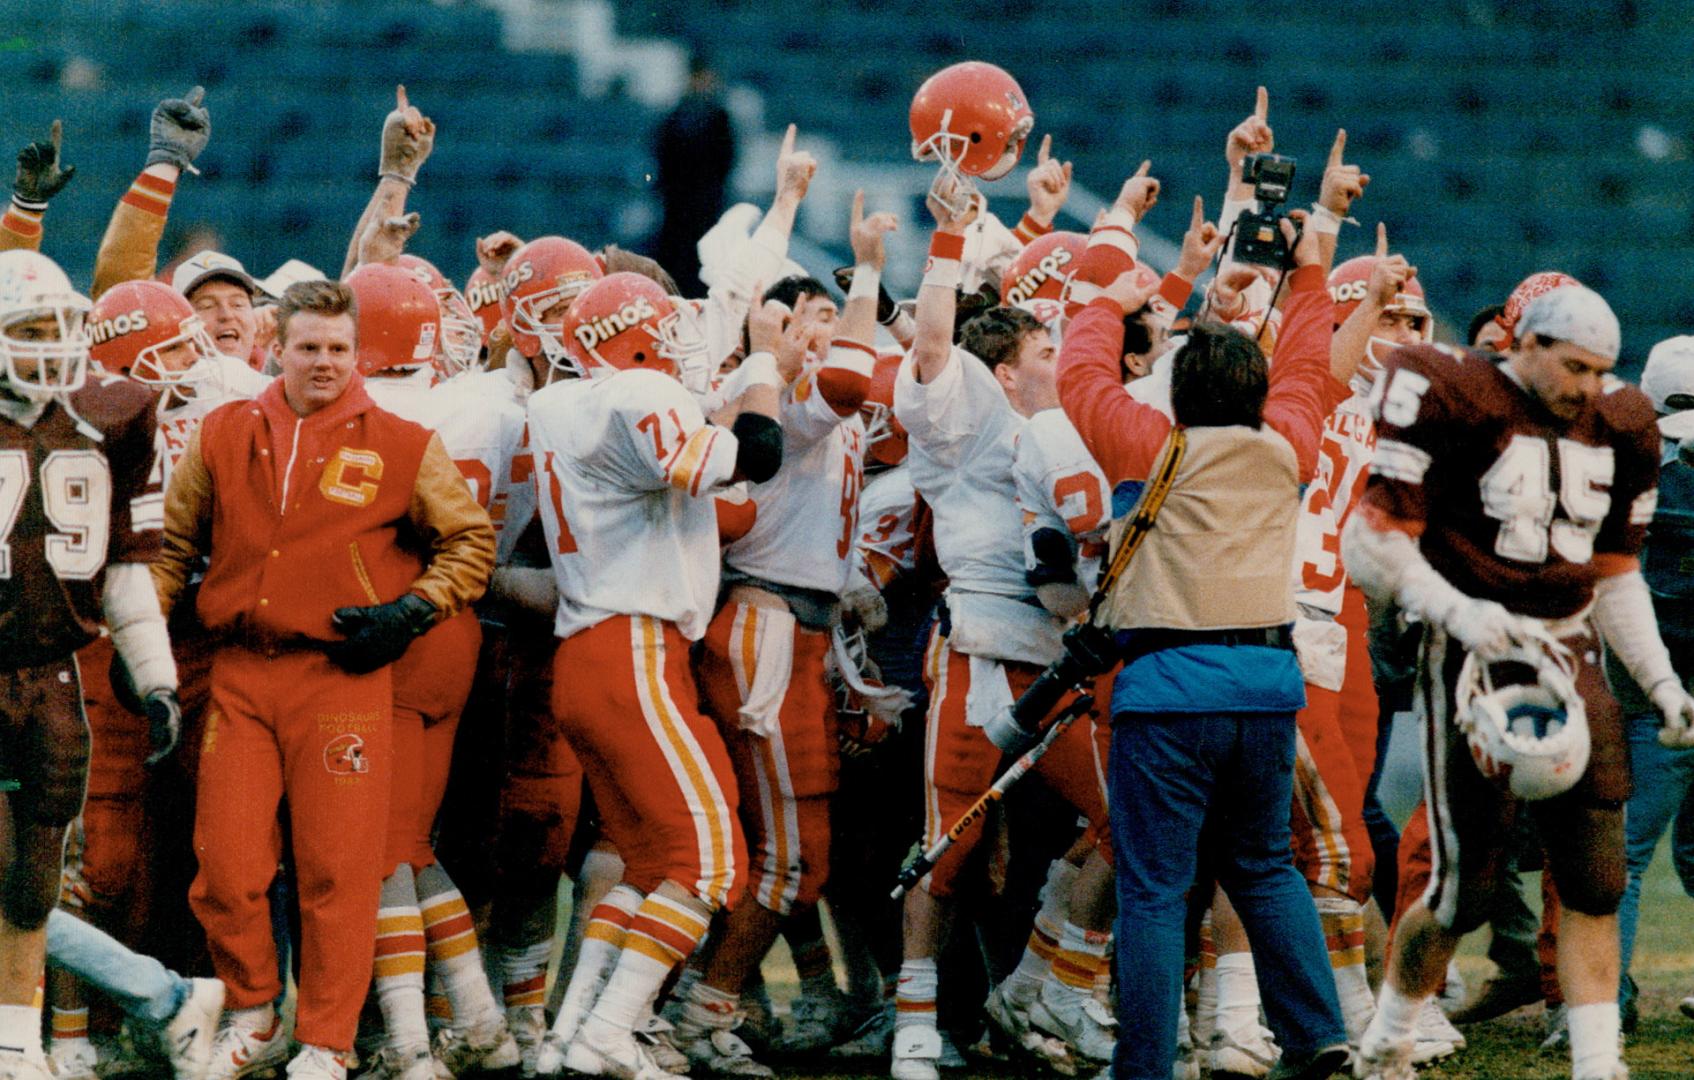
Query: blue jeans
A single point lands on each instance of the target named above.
(140, 985)
(1171, 775)
(1664, 782)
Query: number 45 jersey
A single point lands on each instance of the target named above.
(1516, 505)
(74, 494)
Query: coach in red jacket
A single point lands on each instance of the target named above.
(313, 506)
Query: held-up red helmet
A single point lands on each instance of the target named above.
(1041, 268)
(460, 345)
(625, 322)
(973, 120)
(544, 274)
(1349, 284)
(484, 293)
(885, 436)
(1528, 289)
(399, 318)
(148, 331)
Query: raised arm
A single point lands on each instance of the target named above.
(1296, 404)
(1049, 185)
(932, 342)
(39, 178)
(129, 251)
(408, 136)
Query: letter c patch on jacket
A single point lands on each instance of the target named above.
(350, 476)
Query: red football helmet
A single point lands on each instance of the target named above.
(1528, 289)
(885, 436)
(484, 293)
(625, 321)
(973, 119)
(1041, 268)
(460, 344)
(399, 318)
(148, 331)
(545, 274)
(1348, 285)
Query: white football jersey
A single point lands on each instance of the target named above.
(1061, 487)
(808, 513)
(888, 516)
(1344, 457)
(179, 417)
(626, 466)
(962, 436)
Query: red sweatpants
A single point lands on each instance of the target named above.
(657, 767)
(431, 684)
(291, 724)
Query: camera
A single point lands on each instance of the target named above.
(1090, 651)
(1258, 236)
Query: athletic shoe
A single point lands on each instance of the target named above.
(187, 1036)
(1497, 997)
(759, 1027)
(16, 1065)
(243, 1049)
(1433, 1025)
(1010, 1018)
(1246, 1051)
(722, 1052)
(322, 1063)
(1452, 995)
(528, 1026)
(1557, 1026)
(488, 1047)
(917, 1051)
(1381, 1060)
(74, 1059)
(601, 1049)
(1687, 1006)
(950, 1057)
(658, 1037)
(1076, 1018)
(872, 1038)
(1318, 1065)
(1187, 1066)
(402, 1063)
(816, 1022)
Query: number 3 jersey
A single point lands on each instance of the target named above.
(626, 466)
(1518, 506)
(74, 495)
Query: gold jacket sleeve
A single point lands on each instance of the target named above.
(188, 523)
(458, 530)
(20, 229)
(130, 249)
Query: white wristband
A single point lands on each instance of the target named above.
(759, 369)
(866, 281)
(1324, 221)
(944, 273)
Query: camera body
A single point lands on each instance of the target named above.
(1258, 236)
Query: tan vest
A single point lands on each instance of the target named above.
(1218, 555)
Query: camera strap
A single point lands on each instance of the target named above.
(1142, 517)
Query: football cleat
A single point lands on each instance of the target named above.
(322, 1063)
(528, 1025)
(1434, 1027)
(242, 1048)
(816, 1022)
(872, 1038)
(487, 1048)
(1246, 1051)
(722, 1052)
(659, 1038)
(1011, 1019)
(187, 1036)
(602, 1049)
(402, 1063)
(73, 1059)
(1074, 1017)
(1378, 1059)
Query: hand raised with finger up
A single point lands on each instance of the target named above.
(408, 136)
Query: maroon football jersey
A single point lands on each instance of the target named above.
(1515, 502)
(78, 488)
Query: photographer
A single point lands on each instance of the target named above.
(1204, 708)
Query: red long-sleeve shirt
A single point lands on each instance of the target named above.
(1125, 435)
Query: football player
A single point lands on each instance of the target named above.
(1507, 502)
(627, 466)
(81, 522)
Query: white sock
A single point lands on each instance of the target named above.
(1396, 1014)
(455, 961)
(707, 1009)
(20, 1030)
(602, 941)
(1343, 920)
(1238, 992)
(1593, 1039)
(1037, 961)
(915, 993)
(399, 968)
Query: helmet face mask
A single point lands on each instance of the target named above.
(681, 341)
(151, 366)
(1531, 738)
(460, 347)
(44, 335)
(973, 120)
(528, 313)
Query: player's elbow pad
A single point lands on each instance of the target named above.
(759, 452)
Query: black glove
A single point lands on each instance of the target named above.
(164, 724)
(179, 130)
(377, 636)
(885, 309)
(40, 176)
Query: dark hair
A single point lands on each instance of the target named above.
(790, 290)
(995, 336)
(318, 297)
(617, 260)
(1219, 378)
(1138, 330)
(1482, 319)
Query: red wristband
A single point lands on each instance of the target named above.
(947, 246)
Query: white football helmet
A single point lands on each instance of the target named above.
(48, 361)
(866, 709)
(1530, 737)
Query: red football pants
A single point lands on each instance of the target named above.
(785, 779)
(431, 684)
(960, 763)
(294, 725)
(1335, 750)
(657, 767)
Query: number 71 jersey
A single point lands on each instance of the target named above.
(1518, 506)
(626, 466)
(74, 495)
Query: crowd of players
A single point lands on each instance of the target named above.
(394, 606)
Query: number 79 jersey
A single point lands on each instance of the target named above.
(74, 495)
(1517, 506)
(626, 466)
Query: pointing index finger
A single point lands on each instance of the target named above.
(858, 208)
(1381, 240)
(788, 141)
(1261, 106)
(1199, 217)
(1145, 165)
(1046, 150)
(57, 136)
(1340, 146)
(400, 102)
(196, 96)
